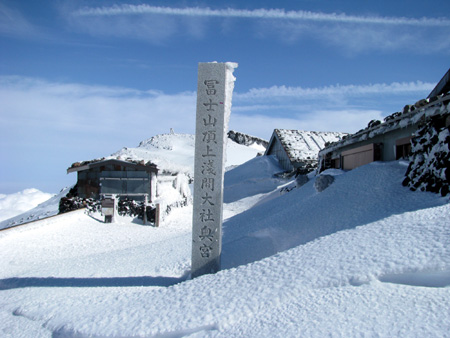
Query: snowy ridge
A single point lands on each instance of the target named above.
(305, 145)
(174, 153)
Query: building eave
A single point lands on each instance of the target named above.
(94, 164)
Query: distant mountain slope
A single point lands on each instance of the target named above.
(174, 153)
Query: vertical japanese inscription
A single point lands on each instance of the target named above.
(210, 146)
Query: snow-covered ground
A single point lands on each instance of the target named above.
(364, 257)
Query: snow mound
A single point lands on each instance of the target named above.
(358, 197)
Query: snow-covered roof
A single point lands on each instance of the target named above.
(77, 166)
(303, 145)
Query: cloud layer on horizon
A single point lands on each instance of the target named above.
(84, 109)
(49, 125)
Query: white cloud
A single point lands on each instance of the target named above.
(95, 115)
(46, 126)
(82, 109)
(14, 204)
(394, 88)
(13, 23)
(348, 120)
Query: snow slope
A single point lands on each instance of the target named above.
(364, 257)
(361, 196)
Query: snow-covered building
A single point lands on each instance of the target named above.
(296, 148)
(389, 140)
(114, 176)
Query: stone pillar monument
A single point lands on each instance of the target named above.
(214, 91)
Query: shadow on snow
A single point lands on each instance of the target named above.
(27, 282)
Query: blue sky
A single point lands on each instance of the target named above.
(81, 79)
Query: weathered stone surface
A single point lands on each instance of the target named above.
(215, 84)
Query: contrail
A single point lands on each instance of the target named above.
(279, 14)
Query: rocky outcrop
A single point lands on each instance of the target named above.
(245, 139)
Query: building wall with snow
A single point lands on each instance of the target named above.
(392, 139)
(387, 146)
(133, 180)
(386, 141)
(276, 149)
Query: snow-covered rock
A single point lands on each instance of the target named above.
(247, 140)
(429, 169)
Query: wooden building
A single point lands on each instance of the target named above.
(113, 176)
